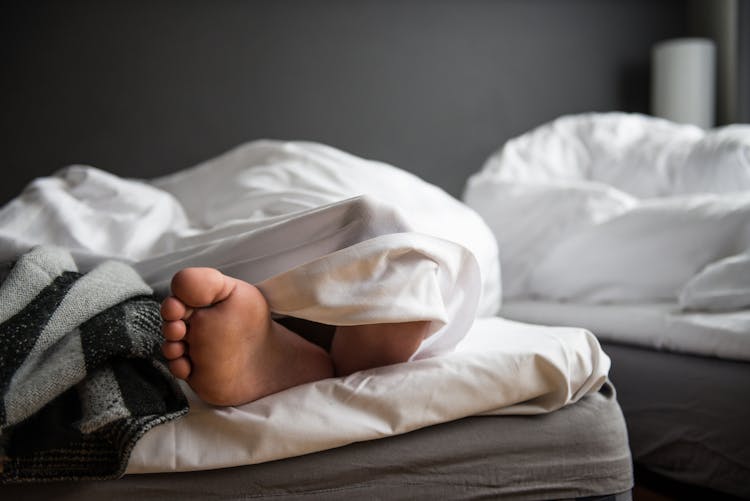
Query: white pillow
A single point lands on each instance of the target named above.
(722, 286)
(647, 201)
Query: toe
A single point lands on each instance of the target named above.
(173, 309)
(180, 368)
(200, 287)
(173, 350)
(174, 331)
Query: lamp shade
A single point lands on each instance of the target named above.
(683, 81)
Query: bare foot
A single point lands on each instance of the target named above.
(220, 338)
(358, 347)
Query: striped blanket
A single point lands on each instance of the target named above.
(80, 378)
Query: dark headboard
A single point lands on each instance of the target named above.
(143, 88)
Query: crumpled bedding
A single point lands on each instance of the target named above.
(499, 368)
(625, 209)
(288, 217)
(330, 238)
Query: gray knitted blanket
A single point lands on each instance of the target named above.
(80, 375)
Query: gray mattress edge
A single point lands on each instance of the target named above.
(578, 451)
(687, 415)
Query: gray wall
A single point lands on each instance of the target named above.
(143, 88)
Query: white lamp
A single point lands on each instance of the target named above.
(683, 83)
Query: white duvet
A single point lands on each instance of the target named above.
(326, 236)
(331, 238)
(629, 210)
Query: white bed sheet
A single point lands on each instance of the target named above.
(501, 367)
(663, 326)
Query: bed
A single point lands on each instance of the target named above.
(636, 228)
(311, 226)
(431, 87)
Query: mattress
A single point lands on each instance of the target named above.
(682, 384)
(579, 451)
(687, 415)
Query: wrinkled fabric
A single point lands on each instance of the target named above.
(383, 245)
(605, 215)
(617, 207)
